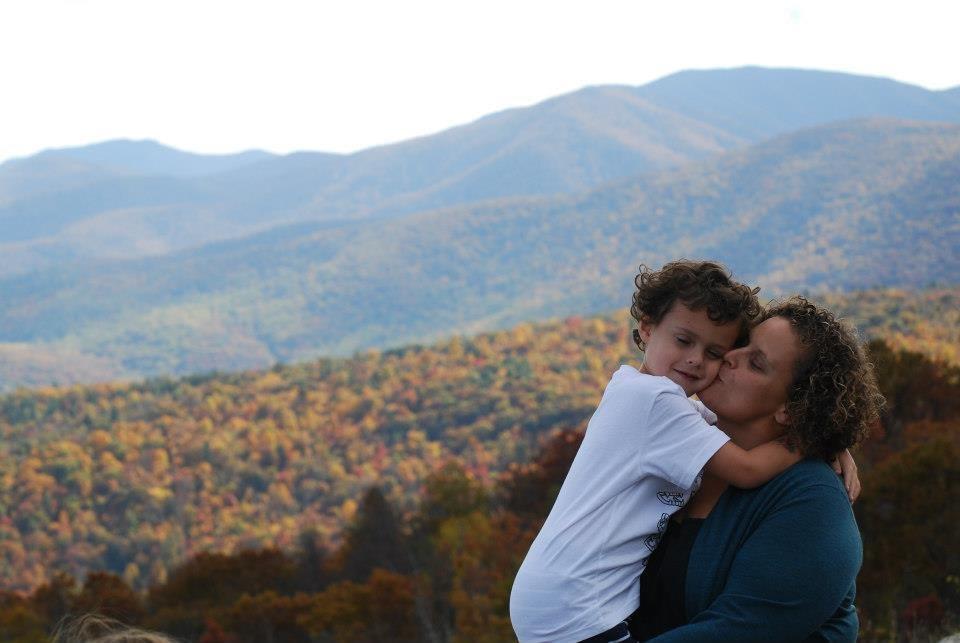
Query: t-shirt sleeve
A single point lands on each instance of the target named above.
(709, 416)
(678, 442)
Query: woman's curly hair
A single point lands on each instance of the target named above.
(699, 285)
(834, 399)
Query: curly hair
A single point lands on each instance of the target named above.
(698, 285)
(834, 399)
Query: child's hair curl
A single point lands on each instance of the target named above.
(698, 285)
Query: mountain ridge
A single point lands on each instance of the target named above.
(773, 101)
(146, 157)
(835, 207)
(564, 144)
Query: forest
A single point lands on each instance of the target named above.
(392, 495)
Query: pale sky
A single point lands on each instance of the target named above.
(217, 76)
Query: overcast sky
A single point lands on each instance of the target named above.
(217, 76)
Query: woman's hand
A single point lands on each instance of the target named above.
(844, 465)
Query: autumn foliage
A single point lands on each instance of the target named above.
(389, 496)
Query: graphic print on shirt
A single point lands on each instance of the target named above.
(673, 497)
(653, 540)
(695, 487)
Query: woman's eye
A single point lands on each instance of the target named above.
(755, 365)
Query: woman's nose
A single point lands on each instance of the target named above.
(730, 359)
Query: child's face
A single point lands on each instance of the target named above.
(687, 347)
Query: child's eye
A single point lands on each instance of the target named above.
(714, 355)
(683, 340)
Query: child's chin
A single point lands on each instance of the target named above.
(689, 388)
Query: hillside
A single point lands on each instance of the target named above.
(135, 478)
(563, 145)
(566, 144)
(846, 206)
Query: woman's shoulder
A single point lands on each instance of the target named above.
(809, 486)
(812, 471)
(813, 480)
(808, 493)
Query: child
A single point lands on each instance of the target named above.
(642, 456)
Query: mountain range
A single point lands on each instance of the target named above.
(122, 265)
(126, 199)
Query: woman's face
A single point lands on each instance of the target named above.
(751, 388)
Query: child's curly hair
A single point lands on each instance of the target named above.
(699, 285)
(834, 399)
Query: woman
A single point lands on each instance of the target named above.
(777, 563)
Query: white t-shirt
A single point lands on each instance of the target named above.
(641, 457)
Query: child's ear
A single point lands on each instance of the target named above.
(645, 328)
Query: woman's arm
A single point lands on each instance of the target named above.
(793, 577)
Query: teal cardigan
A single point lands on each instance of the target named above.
(776, 563)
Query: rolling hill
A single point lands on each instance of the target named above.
(67, 168)
(851, 205)
(70, 206)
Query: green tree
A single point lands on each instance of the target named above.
(374, 540)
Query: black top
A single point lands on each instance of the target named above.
(664, 581)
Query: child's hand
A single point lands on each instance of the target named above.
(848, 468)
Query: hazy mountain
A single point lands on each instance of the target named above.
(850, 205)
(49, 214)
(756, 103)
(563, 145)
(151, 158)
(953, 96)
(69, 167)
(41, 174)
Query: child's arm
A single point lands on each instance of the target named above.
(848, 468)
(749, 469)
